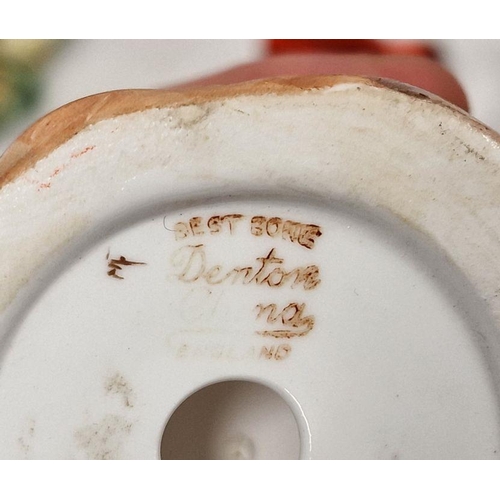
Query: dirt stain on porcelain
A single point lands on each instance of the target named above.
(26, 438)
(103, 440)
(118, 385)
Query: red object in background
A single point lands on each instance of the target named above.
(382, 47)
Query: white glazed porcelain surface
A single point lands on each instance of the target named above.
(122, 295)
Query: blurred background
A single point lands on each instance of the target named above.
(38, 76)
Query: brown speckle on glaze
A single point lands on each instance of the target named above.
(103, 440)
(118, 385)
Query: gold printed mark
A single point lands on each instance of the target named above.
(195, 263)
(191, 262)
(115, 265)
(214, 225)
(291, 317)
(305, 235)
(296, 232)
(276, 352)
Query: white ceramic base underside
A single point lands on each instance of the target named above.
(390, 369)
(400, 362)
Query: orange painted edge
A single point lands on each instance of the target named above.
(60, 125)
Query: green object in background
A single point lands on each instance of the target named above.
(19, 89)
(20, 85)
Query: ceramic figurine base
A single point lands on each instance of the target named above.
(301, 268)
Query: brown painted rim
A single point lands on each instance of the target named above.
(60, 125)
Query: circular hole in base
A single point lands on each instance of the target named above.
(232, 420)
